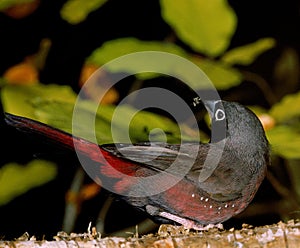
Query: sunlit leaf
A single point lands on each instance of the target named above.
(116, 48)
(4, 4)
(223, 77)
(54, 104)
(16, 179)
(245, 55)
(121, 122)
(285, 141)
(119, 47)
(21, 100)
(288, 108)
(54, 113)
(76, 11)
(126, 122)
(138, 125)
(206, 26)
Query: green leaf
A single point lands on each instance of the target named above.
(76, 11)
(116, 48)
(54, 104)
(139, 125)
(287, 109)
(245, 55)
(22, 100)
(119, 47)
(16, 179)
(4, 4)
(49, 104)
(206, 26)
(285, 141)
(223, 77)
(54, 113)
(114, 124)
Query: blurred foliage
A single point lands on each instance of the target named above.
(285, 136)
(16, 179)
(246, 55)
(221, 75)
(53, 105)
(18, 9)
(120, 47)
(201, 32)
(75, 11)
(207, 28)
(287, 70)
(287, 111)
(285, 141)
(4, 4)
(22, 100)
(23, 73)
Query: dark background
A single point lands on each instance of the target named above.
(41, 210)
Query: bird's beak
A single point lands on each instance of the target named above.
(210, 106)
(218, 125)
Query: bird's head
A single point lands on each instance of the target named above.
(235, 123)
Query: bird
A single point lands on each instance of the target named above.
(176, 192)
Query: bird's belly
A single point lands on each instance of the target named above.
(187, 201)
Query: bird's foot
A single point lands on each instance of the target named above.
(189, 224)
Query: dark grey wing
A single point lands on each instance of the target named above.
(158, 156)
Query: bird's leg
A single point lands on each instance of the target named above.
(188, 224)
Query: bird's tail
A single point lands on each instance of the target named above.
(53, 135)
(108, 165)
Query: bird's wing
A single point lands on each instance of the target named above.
(158, 156)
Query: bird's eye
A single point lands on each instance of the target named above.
(219, 115)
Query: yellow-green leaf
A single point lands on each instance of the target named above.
(206, 26)
(222, 76)
(116, 48)
(16, 179)
(76, 11)
(285, 141)
(245, 55)
(54, 104)
(21, 100)
(139, 125)
(115, 124)
(288, 108)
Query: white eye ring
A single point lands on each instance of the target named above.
(220, 115)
